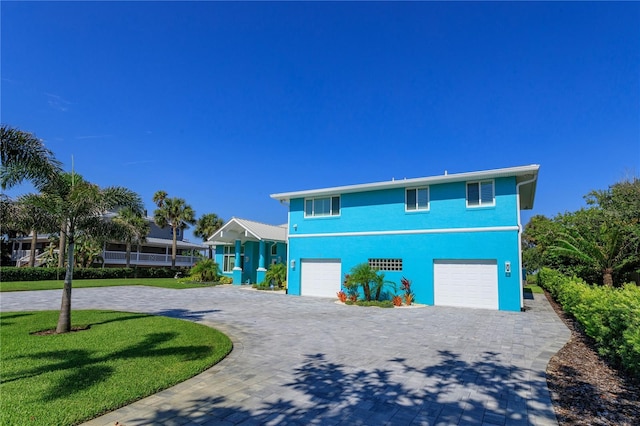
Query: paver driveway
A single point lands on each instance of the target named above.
(299, 360)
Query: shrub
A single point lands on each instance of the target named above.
(611, 316)
(342, 296)
(10, 273)
(396, 300)
(205, 270)
(276, 274)
(225, 280)
(370, 280)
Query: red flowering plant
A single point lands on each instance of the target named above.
(405, 286)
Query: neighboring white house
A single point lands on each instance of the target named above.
(155, 252)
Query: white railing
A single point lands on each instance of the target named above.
(19, 254)
(21, 257)
(147, 259)
(24, 260)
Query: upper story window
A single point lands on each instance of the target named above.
(325, 206)
(480, 194)
(416, 199)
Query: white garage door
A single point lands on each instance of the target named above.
(320, 277)
(466, 283)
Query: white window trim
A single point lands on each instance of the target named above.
(417, 209)
(230, 251)
(313, 215)
(479, 182)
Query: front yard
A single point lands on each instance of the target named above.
(50, 379)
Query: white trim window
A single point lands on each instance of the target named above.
(229, 258)
(274, 249)
(416, 199)
(324, 206)
(481, 194)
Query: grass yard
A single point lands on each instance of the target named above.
(58, 284)
(532, 288)
(70, 378)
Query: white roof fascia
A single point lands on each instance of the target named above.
(432, 180)
(258, 231)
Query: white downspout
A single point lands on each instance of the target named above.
(533, 179)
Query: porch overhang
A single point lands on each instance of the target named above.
(245, 230)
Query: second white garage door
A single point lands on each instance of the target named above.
(320, 277)
(466, 283)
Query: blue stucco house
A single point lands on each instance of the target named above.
(245, 249)
(455, 236)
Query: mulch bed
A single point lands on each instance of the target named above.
(585, 389)
(53, 330)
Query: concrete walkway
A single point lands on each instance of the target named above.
(300, 360)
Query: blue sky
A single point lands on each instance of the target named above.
(225, 103)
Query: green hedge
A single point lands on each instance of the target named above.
(611, 316)
(46, 274)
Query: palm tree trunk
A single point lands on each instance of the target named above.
(174, 247)
(367, 291)
(128, 255)
(607, 277)
(32, 253)
(64, 320)
(63, 245)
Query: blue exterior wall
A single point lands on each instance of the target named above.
(384, 210)
(251, 259)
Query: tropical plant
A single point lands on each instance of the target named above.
(173, 212)
(206, 226)
(132, 227)
(29, 218)
(603, 250)
(81, 206)
(277, 274)
(396, 300)
(206, 270)
(600, 243)
(342, 296)
(88, 250)
(370, 280)
(405, 286)
(25, 157)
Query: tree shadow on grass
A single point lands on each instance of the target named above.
(83, 369)
(4, 317)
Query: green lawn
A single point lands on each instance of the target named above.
(532, 288)
(57, 285)
(69, 378)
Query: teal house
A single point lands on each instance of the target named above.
(455, 236)
(245, 249)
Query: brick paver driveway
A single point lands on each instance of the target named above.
(300, 360)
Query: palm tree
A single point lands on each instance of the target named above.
(24, 157)
(206, 226)
(603, 249)
(159, 198)
(82, 205)
(30, 217)
(174, 212)
(133, 228)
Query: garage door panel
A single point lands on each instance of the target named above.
(320, 277)
(466, 283)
